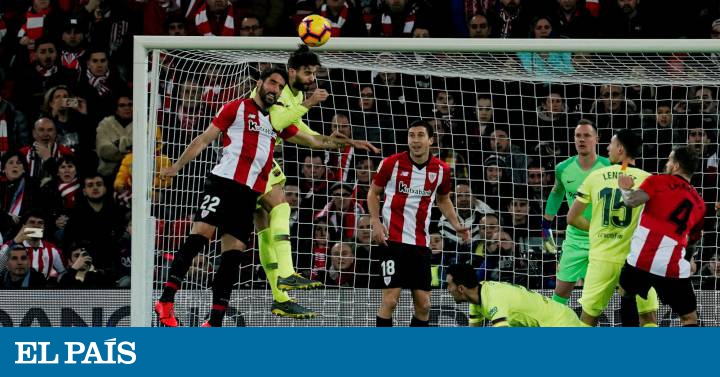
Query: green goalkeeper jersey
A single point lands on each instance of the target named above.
(569, 175)
(612, 223)
(505, 304)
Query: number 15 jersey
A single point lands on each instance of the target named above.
(674, 211)
(612, 223)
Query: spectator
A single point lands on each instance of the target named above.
(341, 213)
(503, 262)
(319, 248)
(625, 21)
(710, 274)
(175, 25)
(660, 133)
(314, 183)
(96, 220)
(72, 48)
(114, 137)
(44, 153)
(43, 255)
(63, 192)
(705, 107)
(81, 273)
(420, 32)
(71, 123)
(700, 139)
(17, 191)
(397, 18)
(111, 31)
(540, 181)
(342, 270)
(546, 135)
(512, 20)
(44, 73)
(508, 154)
(489, 225)
(17, 274)
(613, 111)
(545, 63)
(216, 17)
(345, 18)
(495, 180)
(340, 163)
(479, 26)
(516, 221)
(574, 21)
(99, 85)
(250, 27)
(438, 259)
(469, 212)
(40, 21)
(364, 172)
(376, 126)
(14, 132)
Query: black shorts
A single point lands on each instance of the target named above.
(403, 266)
(676, 293)
(229, 206)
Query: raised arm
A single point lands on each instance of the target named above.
(193, 150)
(373, 201)
(329, 142)
(631, 198)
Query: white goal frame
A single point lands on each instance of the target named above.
(142, 221)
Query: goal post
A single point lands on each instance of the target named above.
(652, 63)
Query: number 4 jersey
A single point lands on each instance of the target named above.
(674, 211)
(612, 223)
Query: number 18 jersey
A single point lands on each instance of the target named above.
(674, 211)
(612, 223)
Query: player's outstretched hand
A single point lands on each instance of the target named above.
(378, 232)
(364, 145)
(549, 244)
(168, 172)
(625, 182)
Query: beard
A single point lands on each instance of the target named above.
(298, 85)
(268, 99)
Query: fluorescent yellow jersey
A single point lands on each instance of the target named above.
(612, 223)
(505, 304)
(288, 110)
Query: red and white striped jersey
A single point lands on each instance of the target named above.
(45, 258)
(248, 143)
(674, 211)
(409, 195)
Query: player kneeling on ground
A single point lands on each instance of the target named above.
(505, 304)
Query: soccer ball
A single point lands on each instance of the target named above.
(315, 30)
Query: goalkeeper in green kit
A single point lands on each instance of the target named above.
(569, 175)
(273, 214)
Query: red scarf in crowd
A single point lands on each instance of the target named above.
(67, 192)
(336, 26)
(4, 144)
(99, 82)
(33, 26)
(203, 23)
(593, 6)
(319, 261)
(71, 60)
(387, 24)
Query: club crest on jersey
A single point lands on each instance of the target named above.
(432, 176)
(204, 213)
(387, 280)
(405, 189)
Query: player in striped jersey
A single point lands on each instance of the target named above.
(410, 181)
(232, 189)
(569, 174)
(505, 304)
(273, 213)
(660, 255)
(610, 230)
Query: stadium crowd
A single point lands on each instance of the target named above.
(66, 132)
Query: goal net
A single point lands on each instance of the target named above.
(504, 113)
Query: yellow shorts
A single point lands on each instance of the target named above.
(276, 177)
(600, 283)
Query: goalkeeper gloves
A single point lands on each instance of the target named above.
(548, 240)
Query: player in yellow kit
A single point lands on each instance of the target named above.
(505, 304)
(273, 215)
(611, 228)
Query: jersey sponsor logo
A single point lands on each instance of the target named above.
(256, 127)
(404, 174)
(492, 311)
(405, 189)
(432, 176)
